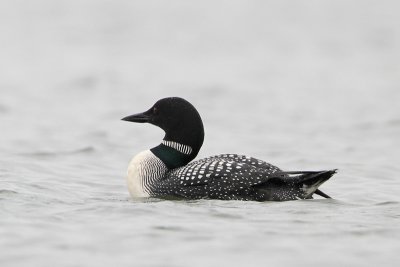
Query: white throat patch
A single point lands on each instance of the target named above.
(181, 148)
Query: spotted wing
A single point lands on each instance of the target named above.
(225, 176)
(257, 163)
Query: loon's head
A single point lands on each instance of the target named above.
(183, 128)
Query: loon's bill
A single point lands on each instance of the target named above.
(167, 170)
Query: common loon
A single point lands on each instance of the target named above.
(166, 171)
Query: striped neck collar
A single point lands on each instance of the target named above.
(187, 150)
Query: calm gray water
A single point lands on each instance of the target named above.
(305, 85)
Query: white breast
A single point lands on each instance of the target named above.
(144, 170)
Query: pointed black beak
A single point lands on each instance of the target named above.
(140, 117)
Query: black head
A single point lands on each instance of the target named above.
(180, 121)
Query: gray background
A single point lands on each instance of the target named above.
(301, 84)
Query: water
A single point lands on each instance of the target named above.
(304, 85)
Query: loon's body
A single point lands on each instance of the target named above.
(166, 170)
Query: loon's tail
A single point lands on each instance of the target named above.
(311, 180)
(293, 185)
(322, 194)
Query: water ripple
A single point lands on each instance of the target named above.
(387, 203)
(40, 154)
(7, 192)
